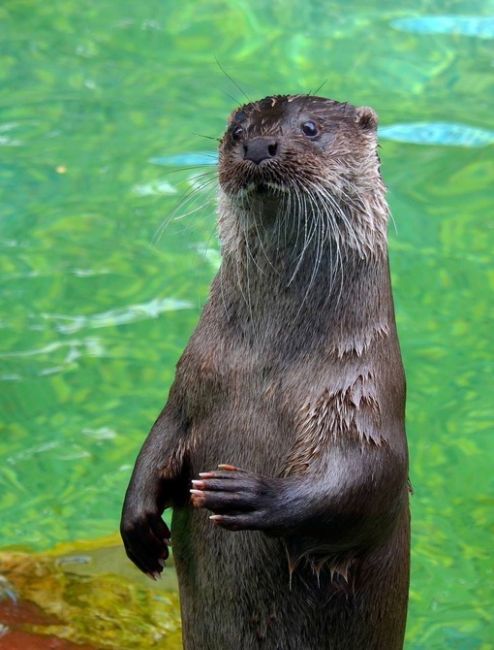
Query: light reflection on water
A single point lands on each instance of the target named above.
(107, 122)
(476, 26)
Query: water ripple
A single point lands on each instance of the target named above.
(154, 188)
(152, 309)
(6, 140)
(92, 346)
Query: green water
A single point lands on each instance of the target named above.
(98, 300)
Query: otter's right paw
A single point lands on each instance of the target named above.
(146, 538)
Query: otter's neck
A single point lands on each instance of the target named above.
(340, 300)
(355, 219)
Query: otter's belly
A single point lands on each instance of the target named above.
(236, 592)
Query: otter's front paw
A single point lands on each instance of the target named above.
(240, 500)
(146, 539)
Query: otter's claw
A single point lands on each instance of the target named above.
(239, 499)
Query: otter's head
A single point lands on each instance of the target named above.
(303, 154)
(285, 142)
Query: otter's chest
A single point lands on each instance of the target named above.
(235, 406)
(246, 404)
(228, 375)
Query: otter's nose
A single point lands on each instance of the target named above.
(259, 149)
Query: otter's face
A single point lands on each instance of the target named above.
(287, 144)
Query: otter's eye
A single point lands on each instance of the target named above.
(309, 129)
(237, 133)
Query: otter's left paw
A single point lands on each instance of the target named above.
(240, 500)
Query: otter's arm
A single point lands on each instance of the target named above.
(156, 483)
(350, 503)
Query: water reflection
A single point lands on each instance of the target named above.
(477, 26)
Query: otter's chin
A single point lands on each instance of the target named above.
(266, 189)
(259, 189)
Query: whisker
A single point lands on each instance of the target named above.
(319, 88)
(189, 168)
(206, 137)
(318, 252)
(192, 194)
(232, 80)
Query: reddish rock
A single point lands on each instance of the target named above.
(24, 641)
(16, 613)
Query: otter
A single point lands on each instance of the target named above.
(282, 446)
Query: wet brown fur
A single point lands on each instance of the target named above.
(294, 375)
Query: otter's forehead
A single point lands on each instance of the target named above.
(276, 108)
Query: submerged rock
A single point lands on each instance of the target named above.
(62, 605)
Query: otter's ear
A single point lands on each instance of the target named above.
(366, 118)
